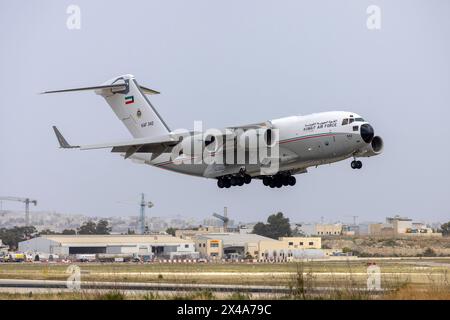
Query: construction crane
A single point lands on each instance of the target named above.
(27, 202)
(224, 218)
(144, 204)
(354, 219)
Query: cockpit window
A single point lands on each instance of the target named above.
(350, 120)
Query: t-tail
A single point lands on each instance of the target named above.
(129, 102)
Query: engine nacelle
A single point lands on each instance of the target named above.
(374, 148)
(212, 143)
(186, 147)
(196, 145)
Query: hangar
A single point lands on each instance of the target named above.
(64, 245)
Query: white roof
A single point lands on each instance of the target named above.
(111, 240)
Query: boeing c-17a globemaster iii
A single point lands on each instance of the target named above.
(273, 151)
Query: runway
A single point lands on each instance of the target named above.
(21, 285)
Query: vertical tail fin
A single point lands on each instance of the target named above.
(132, 107)
(127, 99)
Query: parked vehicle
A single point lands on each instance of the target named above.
(85, 257)
(16, 257)
(114, 257)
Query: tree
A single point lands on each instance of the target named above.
(171, 231)
(260, 228)
(13, 236)
(91, 227)
(102, 227)
(277, 226)
(130, 231)
(297, 232)
(47, 231)
(87, 228)
(68, 231)
(445, 229)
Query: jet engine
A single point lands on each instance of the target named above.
(375, 147)
(197, 144)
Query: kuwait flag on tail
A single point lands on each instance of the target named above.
(129, 99)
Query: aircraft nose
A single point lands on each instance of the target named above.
(367, 132)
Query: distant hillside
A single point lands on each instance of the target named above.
(59, 221)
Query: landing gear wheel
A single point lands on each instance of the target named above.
(356, 164)
(220, 183)
(285, 180)
(272, 183)
(292, 181)
(278, 183)
(266, 181)
(247, 179)
(234, 181)
(226, 183)
(240, 181)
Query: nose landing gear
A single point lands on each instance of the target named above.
(356, 164)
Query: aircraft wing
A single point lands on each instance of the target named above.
(156, 145)
(229, 133)
(265, 124)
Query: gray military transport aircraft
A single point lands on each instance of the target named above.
(291, 144)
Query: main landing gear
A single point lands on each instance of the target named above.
(279, 180)
(356, 164)
(235, 180)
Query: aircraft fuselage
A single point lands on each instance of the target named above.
(304, 141)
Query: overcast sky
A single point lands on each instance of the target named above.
(227, 63)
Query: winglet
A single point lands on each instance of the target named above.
(62, 141)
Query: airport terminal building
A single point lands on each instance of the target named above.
(156, 245)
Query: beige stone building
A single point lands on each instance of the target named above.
(381, 229)
(400, 226)
(239, 246)
(328, 229)
(209, 248)
(228, 245)
(189, 234)
(287, 248)
(322, 229)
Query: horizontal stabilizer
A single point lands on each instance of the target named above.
(148, 90)
(113, 87)
(155, 145)
(61, 140)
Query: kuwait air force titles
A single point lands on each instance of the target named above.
(273, 151)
